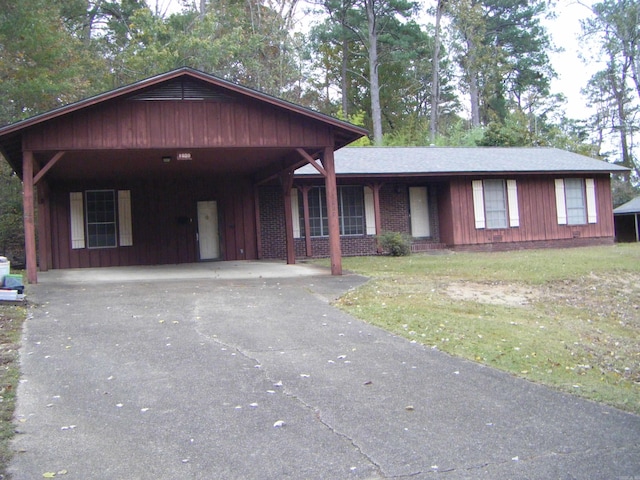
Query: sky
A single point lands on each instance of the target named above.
(573, 73)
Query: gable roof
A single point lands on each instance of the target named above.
(407, 161)
(183, 83)
(632, 206)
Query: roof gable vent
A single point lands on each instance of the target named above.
(183, 89)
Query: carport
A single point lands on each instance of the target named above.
(165, 171)
(627, 221)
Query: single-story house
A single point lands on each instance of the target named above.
(185, 167)
(459, 198)
(627, 221)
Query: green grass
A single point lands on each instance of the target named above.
(567, 318)
(11, 320)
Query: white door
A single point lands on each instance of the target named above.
(208, 239)
(419, 207)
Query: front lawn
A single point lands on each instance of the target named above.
(568, 318)
(11, 320)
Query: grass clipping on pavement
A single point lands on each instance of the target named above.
(566, 318)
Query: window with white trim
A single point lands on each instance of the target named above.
(495, 203)
(351, 211)
(100, 219)
(576, 201)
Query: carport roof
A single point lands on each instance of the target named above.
(406, 161)
(10, 135)
(632, 206)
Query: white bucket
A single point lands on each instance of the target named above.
(5, 268)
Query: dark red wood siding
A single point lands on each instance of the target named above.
(137, 124)
(164, 221)
(537, 211)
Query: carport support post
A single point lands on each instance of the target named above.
(335, 252)
(29, 215)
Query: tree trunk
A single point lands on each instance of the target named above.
(343, 81)
(474, 94)
(435, 78)
(376, 111)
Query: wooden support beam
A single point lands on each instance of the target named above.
(312, 161)
(47, 167)
(286, 180)
(335, 252)
(29, 216)
(45, 257)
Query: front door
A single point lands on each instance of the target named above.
(208, 238)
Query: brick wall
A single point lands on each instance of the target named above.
(272, 229)
(560, 243)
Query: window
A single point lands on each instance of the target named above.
(350, 209)
(576, 201)
(101, 218)
(97, 216)
(495, 203)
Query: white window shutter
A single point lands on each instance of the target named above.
(478, 203)
(77, 219)
(561, 205)
(419, 207)
(512, 200)
(592, 214)
(124, 218)
(369, 211)
(295, 213)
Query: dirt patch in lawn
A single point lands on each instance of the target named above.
(493, 293)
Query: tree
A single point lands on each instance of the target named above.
(43, 65)
(371, 28)
(615, 90)
(502, 51)
(11, 225)
(435, 80)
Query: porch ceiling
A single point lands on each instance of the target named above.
(136, 164)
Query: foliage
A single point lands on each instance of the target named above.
(615, 90)
(566, 318)
(11, 224)
(395, 244)
(42, 65)
(495, 51)
(502, 48)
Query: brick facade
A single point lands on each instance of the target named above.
(395, 217)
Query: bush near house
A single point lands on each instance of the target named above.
(395, 244)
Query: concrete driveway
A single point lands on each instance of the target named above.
(166, 375)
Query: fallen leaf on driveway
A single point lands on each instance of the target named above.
(279, 423)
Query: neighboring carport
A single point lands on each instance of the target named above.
(120, 178)
(627, 221)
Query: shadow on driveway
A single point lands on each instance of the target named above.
(201, 376)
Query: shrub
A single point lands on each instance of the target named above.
(395, 244)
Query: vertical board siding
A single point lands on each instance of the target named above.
(122, 124)
(538, 215)
(163, 226)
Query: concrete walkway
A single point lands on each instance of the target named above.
(257, 376)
